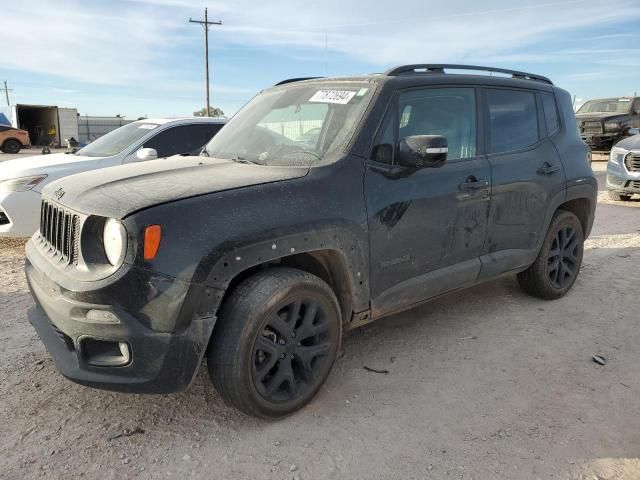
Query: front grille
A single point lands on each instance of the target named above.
(632, 161)
(60, 230)
(635, 184)
(4, 220)
(592, 127)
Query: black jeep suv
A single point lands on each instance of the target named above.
(605, 121)
(259, 252)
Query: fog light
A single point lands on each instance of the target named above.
(104, 353)
(102, 316)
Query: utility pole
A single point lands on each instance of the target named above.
(205, 24)
(6, 92)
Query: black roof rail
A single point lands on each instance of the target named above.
(291, 80)
(439, 68)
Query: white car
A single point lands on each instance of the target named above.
(22, 180)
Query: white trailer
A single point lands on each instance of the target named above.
(41, 120)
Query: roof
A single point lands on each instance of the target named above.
(179, 120)
(421, 74)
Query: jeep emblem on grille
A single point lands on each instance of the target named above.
(59, 193)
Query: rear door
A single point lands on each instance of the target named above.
(526, 173)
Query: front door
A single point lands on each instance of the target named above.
(427, 227)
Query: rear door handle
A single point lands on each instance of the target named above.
(473, 184)
(547, 169)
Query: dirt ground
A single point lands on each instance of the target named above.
(485, 384)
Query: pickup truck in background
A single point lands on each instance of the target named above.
(604, 122)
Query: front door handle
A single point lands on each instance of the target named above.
(473, 184)
(547, 169)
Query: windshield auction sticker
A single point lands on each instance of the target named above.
(332, 96)
(147, 126)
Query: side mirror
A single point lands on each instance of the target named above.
(633, 131)
(423, 151)
(146, 154)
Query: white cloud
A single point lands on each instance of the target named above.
(137, 41)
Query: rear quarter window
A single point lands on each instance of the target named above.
(513, 119)
(550, 113)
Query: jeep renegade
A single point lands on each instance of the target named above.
(322, 205)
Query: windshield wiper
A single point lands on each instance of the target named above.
(244, 160)
(204, 152)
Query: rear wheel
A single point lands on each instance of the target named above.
(619, 197)
(558, 264)
(11, 146)
(274, 346)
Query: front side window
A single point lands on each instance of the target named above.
(513, 119)
(117, 140)
(450, 112)
(299, 124)
(182, 139)
(384, 144)
(550, 113)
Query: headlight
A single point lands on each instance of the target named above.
(21, 184)
(617, 155)
(611, 126)
(115, 241)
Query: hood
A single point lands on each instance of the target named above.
(39, 164)
(630, 143)
(119, 191)
(599, 116)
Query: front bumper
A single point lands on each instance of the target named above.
(602, 141)
(620, 180)
(160, 361)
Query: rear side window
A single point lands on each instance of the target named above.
(183, 139)
(513, 119)
(550, 113)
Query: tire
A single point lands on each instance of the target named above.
(11, 146)
(619, 197)
(263, 362)
(541, 279)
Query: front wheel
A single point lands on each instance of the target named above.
(277, 338)
(558, 264)
(11, 146)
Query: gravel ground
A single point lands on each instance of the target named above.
(484, 384)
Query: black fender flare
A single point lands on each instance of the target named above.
(229, 259)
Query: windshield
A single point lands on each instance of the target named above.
(117, 140)
(606, 105)
(295, 125)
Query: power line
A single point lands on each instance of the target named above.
(6, 92)
(206, 24)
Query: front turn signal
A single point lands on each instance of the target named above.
(152, 237)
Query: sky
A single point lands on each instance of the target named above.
(143, 58)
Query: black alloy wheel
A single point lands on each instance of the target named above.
(275, 342)
(557, 265)
(292, 350)
(562, 261)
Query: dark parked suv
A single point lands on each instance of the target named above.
(605, 121)
(259, 252)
